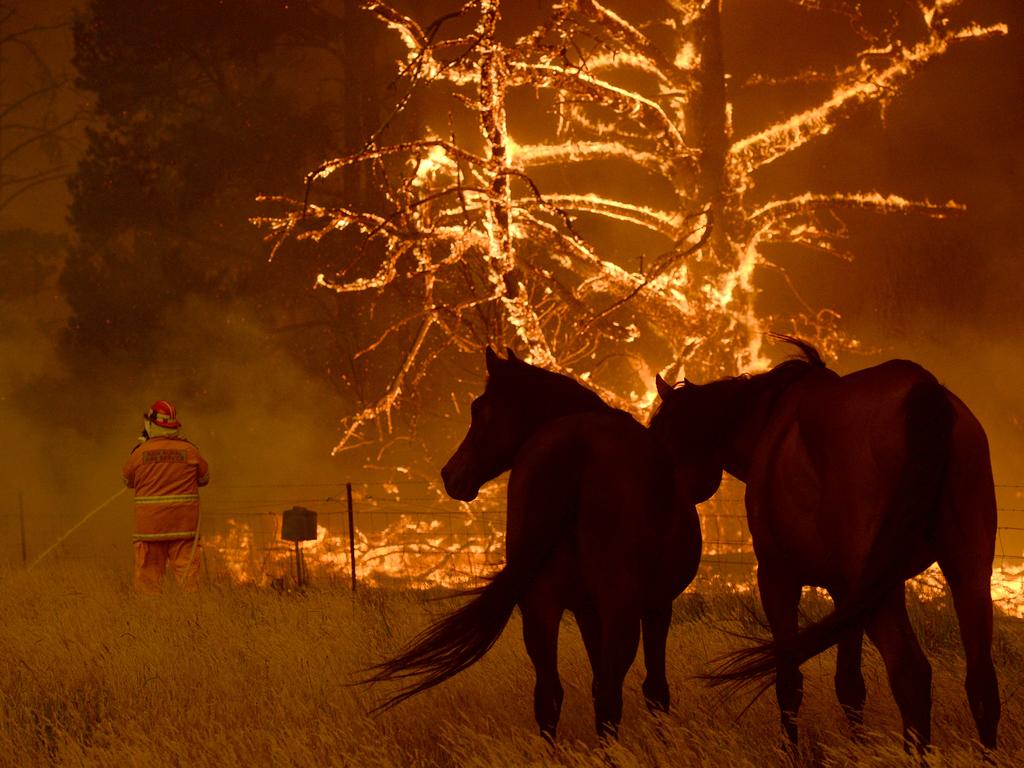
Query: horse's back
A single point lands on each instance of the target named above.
(851, 430)
(838, 449)
(854, 426)
(629, 530)
(874, 403)
(635, 508)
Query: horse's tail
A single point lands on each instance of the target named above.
(910, 516)
(462, 637)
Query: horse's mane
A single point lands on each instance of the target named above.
(788, 371)
(775, 380)
(552, 386)
(808, 352)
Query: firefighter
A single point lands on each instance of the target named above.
(166, 472)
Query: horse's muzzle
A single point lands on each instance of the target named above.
(456, 486)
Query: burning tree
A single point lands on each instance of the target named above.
(623, 140)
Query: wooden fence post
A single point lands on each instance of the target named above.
(21, 519)
(351, 535)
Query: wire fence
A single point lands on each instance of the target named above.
(404, 532)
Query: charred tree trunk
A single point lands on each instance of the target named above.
(522, 320)
(710, 126)
(709, 130)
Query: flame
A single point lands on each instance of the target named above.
(1008, 589)
(434, 164)
(419, 554)
(471, 207)
(1007, 584)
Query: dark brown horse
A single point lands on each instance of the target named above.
(854, 483)
(595, 526)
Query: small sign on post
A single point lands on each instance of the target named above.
(298, 524)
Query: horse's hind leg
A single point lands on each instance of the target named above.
(966, 544)
(910, 674)
(972, 598)
(541, 616)
(655, 626)
(849, 679)
(780, 598)
(589, 623)
(620, 637)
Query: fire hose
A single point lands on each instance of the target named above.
(74, 528)
(84, 520)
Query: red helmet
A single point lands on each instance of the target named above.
(163, 414)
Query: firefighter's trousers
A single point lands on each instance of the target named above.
(154, 558)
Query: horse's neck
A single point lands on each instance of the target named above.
(752, 418)
(576, 399)
(557, 405)
(738, 458)
(738, 453)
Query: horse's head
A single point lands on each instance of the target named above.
(688, 423)
(719, 425)
(500, 425)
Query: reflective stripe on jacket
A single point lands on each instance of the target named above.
(166, 473)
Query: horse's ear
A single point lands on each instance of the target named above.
(688, 383)
(664, 388)
(511, 355)
(492, 360)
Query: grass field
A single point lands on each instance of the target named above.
(94, 675)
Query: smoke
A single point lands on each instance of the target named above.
(258, 418)
(950, 303)
(49, 473)
(983, 366)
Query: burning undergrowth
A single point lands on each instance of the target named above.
(419, 543)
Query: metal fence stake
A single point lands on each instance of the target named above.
(21, 519)
(351, 535)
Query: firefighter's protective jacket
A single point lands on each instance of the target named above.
(166, 473)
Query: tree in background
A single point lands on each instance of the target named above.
(34, 125)
(199, 107)
(579, 191)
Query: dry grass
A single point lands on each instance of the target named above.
(96, 676)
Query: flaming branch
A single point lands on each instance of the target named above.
(472, 240)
